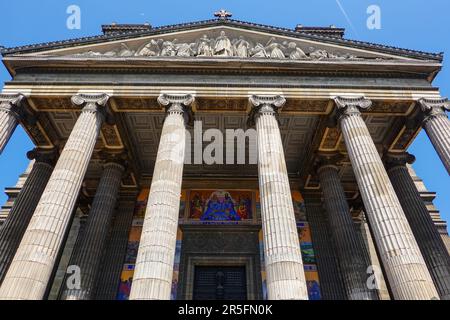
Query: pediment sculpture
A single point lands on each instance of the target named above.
(222, 46)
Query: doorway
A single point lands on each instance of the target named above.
(220, 283)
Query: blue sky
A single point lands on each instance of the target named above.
(414, 24)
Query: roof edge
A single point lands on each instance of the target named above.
(307, 33)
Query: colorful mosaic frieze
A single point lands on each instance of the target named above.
(220, 205)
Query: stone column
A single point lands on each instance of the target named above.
(9, 116)
(437, 126)
(11, 232)
(331, 284)
(284, 265)
(31, 268)
(348, 246)
(114, 254)
(154, 264)
(89, 250)
(428, 238)
(405, 267)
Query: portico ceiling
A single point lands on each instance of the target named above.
(303, 134)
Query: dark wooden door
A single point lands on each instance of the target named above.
(220, 283)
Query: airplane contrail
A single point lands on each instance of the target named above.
(347, 17)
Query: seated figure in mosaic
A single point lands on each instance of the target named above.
(220, 207)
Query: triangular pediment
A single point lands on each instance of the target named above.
(223, 41)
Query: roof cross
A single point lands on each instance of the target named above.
(223, 14)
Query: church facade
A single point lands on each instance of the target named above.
(222, 159)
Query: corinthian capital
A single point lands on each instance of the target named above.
(178, 103)
(433, 108)
(347, 106)
(264, 105)
(11, 103)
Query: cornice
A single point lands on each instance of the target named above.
(364, 67)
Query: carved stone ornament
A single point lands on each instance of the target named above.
(393, 160)
(264, 105)
(434, 107)
(11, 103)
(90, 100)
(178, 103)
(48, 156)
(93, 103)
(114, 157)
(347, 106)
(223, 46)
(324, 159)
(223, 14)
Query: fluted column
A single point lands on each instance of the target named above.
(31, 268)
(154, 264)
(9, 116)
(331, 284)
(12, 230)
(88, 251)
(428, 238)
(437, 126)
(405, 267)
(348, 246)
(115, 251)
(284, 266)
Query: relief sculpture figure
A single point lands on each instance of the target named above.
(151, 49)
(223, 46)
(259, 51)
(204, 47)
(295, 52)
(242, 47)
(185, 49)
(275, 49)
(168, 49)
